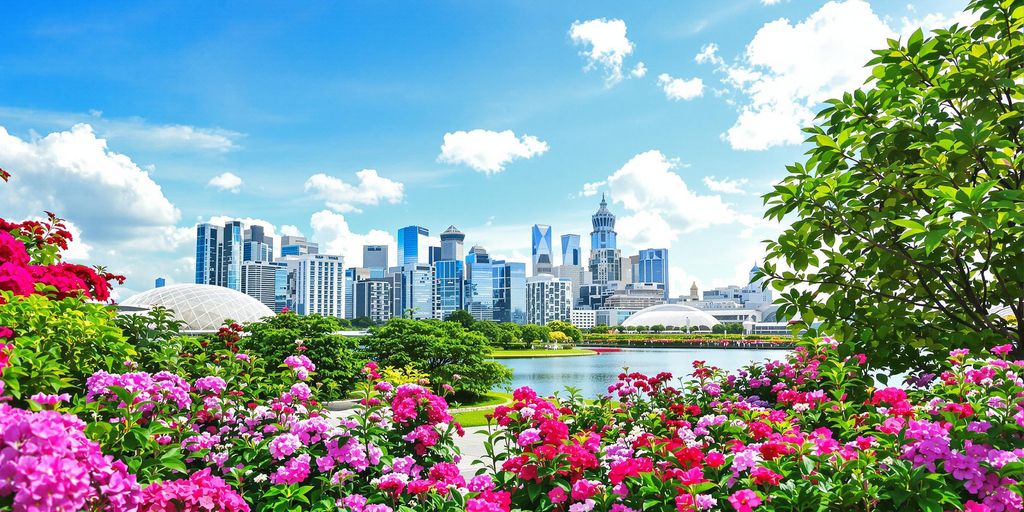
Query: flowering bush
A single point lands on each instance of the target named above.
(807, 433)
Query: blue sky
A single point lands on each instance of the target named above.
(136, 120)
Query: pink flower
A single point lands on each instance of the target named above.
(16, 279)
(200, 492)
(12, 250)
(284, 445)
(557, 495)
(744, 500)
(49, 399)
(1002, 349)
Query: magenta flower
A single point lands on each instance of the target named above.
(744, 500)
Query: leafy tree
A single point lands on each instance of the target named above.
(658, 328)
(363, 322)
(599, 329)
(336, 357)
(570, 330)
(514, 333)
(533, 333)
(441, 349)
(718, 329)
(560, 337)
(734, 328)
(910, 210)
(497, 334)
(462, 317)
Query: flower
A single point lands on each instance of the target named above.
(744, 500)
(1002, 350)
(200, 492)
(49, 399)
(284, 445)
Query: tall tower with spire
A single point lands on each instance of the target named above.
(605, 262)
(603, 235)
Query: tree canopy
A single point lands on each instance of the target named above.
(909, 209)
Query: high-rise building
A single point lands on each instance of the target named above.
(694, 292)
(509, 291)
(296, 246)
(320, 285)
(583, 318)
(373, 299)
(435, 254)
(219, 254)
(256, 246)
(652, 267)
(412, 245)
(159, 282)
(576, 274)
(548, 298)
(375, 259)
(571, 252)
(605, 263)
(451, 244)
(479, 284)
(284, 286)
(541, 249)
(627, 269)
(416, 291)
(259, 281)
(449, 287)
(352, 276)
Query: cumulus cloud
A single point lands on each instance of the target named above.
(488, 151)
(371, 190)
(227, 181)
(726, 185)
(590, 189)
(606, 45)
(332, 232)
(681, 88)
(639, 70)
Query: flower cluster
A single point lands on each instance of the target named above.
(199, 492)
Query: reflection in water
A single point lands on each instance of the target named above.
(593, 374)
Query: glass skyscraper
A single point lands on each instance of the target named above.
(509, 291)
(449, 287)
(219, 254)
(653, 268)
(479, 284)
(451, 243)
(412, 245)
(417, 289)
(605, 264)
(571, 253)
(541, 249)
(375, 259)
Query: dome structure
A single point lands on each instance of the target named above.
(202, 307)
(675, 315)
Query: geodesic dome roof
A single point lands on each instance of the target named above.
(202, 307)
(676, 315)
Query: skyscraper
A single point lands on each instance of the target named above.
(219, 254)
(284, 286)
(479, 284)
(297, 245)
(571, 253)
(541, 249)
(320, 282)
(259, 281)
(548, 298)
(449, 287)
(375, 259)
(352, 276)
(605, 264)
(653, 268)
(373, 299)
(509, 291)
(412, 245)
(256, 246)
(417, 289)
(451, 244)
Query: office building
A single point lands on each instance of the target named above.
(219, 254)
(627, 266)
(412, 245)
(284, 286)
(572, 255)
(479, 284)
(583, 318)
(577, 275)
(373, 299)
(320, 282)
(159, 283)
(509, 291)
(635, 296)
(451, 244)
(652, 267)
(541, 249)
(375, 259)
(603, 235)
(256, 246)
(297, 246)
(434, 252)
(605, 259)
(352, 276)
(416, 289)
(259, 281)
(449, 287)
(548, 298)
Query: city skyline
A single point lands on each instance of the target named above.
(341, 122)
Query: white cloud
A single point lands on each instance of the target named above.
(709, 54)
(681, 88)
(934, 20)
(332, 232)
(226, 181)
(344, 197)
(726, 185)
(488, 151)
(639, 70)
(291, 230)
(590, 189)
(771, 2)
(608, 45)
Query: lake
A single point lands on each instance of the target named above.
(593, 374)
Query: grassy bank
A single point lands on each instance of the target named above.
(485, 405)
(506, 354)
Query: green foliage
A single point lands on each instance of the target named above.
(336, 357)
(362, 322)
(441, 349)
(504, 335)
(909, 210)
(599, 329)
(730, 328)
(570, 330)
(58, 344)
(462, 317)
(532, 333)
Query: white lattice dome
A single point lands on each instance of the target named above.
(202, 307)
(676, 315)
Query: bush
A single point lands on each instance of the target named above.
(444, 350)
(336, 357)
(570, 330)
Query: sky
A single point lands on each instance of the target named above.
(344, 121)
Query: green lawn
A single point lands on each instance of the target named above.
(472, 418)
(505, 354)
(491, 398)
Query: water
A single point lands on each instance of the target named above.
(593, 374)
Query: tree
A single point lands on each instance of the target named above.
(570, 330)
(718, 329)
(734, 328)
(441, 349)
(532, 333)
(363, 322)
(462, 317)
(599, 329)
(657, 328)
(336, 357)
(498, 334)
(909, 211)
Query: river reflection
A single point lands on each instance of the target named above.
(593, 374)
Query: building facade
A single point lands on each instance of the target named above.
(320, 285)
(297, 246)
(219, 254)
(375, 259)
(548, 298)
(451, 244)
(540, 244)
(509, 291)
(259, 281)
(652, 267)
(571, 252)
(373, 299)
(413, 242)
(352, 276)
(416, 283)
(479, 284)
(605, 259)
(583, 318)
(449, 287)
